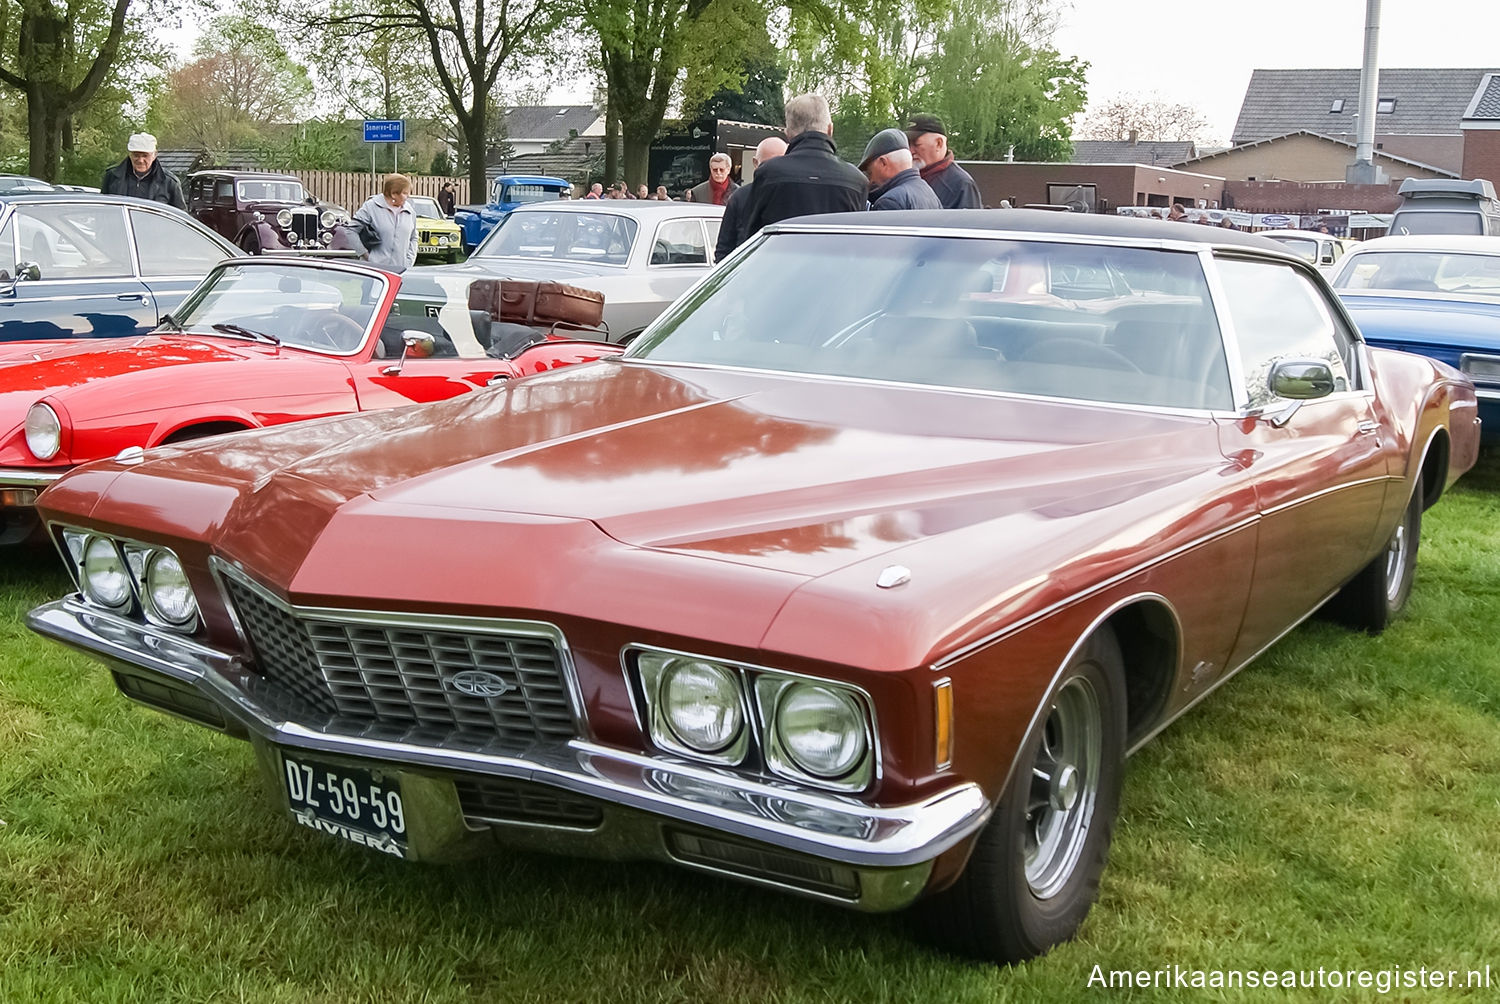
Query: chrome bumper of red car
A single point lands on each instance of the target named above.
(827, 847)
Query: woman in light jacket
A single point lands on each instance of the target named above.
(394, 221)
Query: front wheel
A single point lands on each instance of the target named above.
(1034, 871)
(1373, 598)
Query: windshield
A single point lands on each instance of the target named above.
(1422, 271)
(322, 309)
(526, 193)
(1122, 325)
(423, 206)
(592, 237)
(1417, 222)
(271, 191)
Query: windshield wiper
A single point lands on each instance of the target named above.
(239, 332)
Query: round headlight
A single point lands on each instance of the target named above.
(821, 729)
(328, 219)
(167, 587)
(105, 579)
(328, 237)
(702, 704)
(284, 218)
(43, 432)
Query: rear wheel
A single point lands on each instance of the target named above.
(1034, 871)
(1379, 592)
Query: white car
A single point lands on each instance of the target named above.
(1322, 250)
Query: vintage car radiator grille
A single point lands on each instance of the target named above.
(403, 674)
(305, 223)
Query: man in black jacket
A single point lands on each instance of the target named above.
(732, 227)
(809, 178)
(141, 177)
(954, 186)
(887, 162)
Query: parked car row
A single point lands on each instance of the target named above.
(857, 576)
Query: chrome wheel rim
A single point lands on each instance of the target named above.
(1395, 559)
(1064, 787)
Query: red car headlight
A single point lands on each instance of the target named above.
(43, 432)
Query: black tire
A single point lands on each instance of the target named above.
(1373, 598)
(1034, 871)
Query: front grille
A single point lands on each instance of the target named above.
(352, 673)
(499, 800)
(305, 224)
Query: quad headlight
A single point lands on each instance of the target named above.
(127, 577)
(696, 706)
(43, 431)
(816, 732)
(815, 729)
(103, 574)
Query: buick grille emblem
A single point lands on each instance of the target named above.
(477, 683)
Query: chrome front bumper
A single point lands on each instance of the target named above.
(16, 477)
(648, 803)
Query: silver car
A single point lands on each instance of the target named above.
(641, 255)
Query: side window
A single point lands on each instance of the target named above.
(1278, 314)
(8, 248)
(713, 225)
(166, 246)
(679, 242)
(224, 191)
(75, 241)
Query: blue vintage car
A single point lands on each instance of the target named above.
(506, 193)
(81, 265)
(1435, 295)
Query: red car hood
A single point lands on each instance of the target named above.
(798, 476)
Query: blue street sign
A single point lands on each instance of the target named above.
(385, 131)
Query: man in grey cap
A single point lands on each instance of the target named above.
(895, 182)
(929, 146)
(141, 177)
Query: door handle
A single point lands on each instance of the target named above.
(1368, 428)
(130, 297)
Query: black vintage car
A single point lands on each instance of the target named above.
(262, 212)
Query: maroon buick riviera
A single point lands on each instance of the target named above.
(858, 576)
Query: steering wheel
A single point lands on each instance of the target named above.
(328, 329)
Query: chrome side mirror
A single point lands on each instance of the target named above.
(1297, 381)
(417, 345)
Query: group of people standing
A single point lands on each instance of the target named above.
(803, 174)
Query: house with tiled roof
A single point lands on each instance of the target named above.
(1418, 112)
(533, 129)
(1481, 126)
(1303, 156)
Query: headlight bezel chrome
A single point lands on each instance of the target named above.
(657, 671)
(139, 563)
(144, 560)
(284, 219)
(760, 749)
(109, 550)
(43, 419)
(327, 218)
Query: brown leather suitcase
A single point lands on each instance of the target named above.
(537, 302)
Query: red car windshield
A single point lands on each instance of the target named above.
(321, 309)
(1110, 324)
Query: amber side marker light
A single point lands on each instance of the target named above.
(942, 709)
(18, 496)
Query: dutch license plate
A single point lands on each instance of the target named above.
(346, 802)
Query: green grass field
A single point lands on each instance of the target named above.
(1335, 805)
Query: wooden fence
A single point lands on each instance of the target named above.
(350, 189)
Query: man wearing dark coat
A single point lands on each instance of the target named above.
(809, 178)
(929, 147)
(141, 177)
(732, 227)
(897, 183)
(719, 186)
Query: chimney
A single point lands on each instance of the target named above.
(1364, 171)
(1135, 135)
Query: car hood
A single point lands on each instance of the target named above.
(799, 476)
(33, 370)
(1436, 319)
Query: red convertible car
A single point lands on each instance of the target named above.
(259, 342)
(857, 577)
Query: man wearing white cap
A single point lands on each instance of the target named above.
(140, 176)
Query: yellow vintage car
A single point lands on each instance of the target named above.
(437, 235)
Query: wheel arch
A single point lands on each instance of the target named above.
(1432, 476)
(1150, 639)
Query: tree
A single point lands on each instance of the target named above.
(1152, 118)
(241, 82)
(469, 42)
(57, 58)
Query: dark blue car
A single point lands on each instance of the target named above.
(506, 193)
(1435, 295)
(81, 265)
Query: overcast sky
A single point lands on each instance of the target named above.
(1201, 52)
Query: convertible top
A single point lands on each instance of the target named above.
(1044, 222)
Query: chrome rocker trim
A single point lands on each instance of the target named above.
(894, 837)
